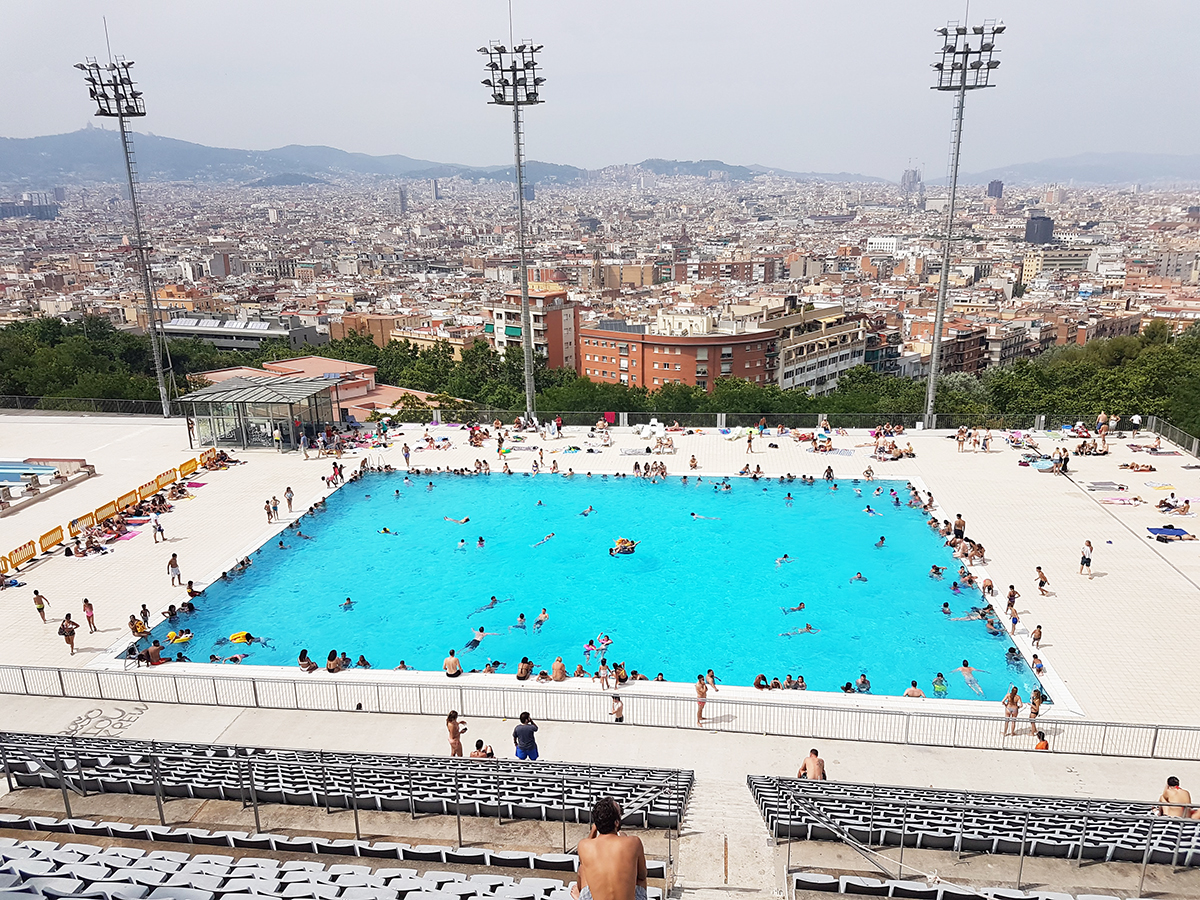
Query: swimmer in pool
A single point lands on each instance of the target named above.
(462, 545)
(386, 531)
(541, 620)
(946, 609)
(546, 538)
(519, 624)
(937, 571)
(879, 543)
(479, 543)
(462, 521)
(878, 491)
(792, 609)
(807, 629)
(588, 649)
(494, 602)
(349, 604)
(588, 511)
(968, 673)
(698, 517)
(858, 576)
(783, 559)
(477, 636)
(869, 511)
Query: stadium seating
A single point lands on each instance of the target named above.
(920, 890)
(554, 862)
(980, 822)
(650, 798)
(35, 869)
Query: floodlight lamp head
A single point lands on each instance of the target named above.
(520, 48)
(961, 29)
(999, 28)
(942, 31)
(484, 50)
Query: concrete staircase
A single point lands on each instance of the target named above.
(725, 851)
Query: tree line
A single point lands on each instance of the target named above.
(1150, 374)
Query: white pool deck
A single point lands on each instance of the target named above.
(1122, 642)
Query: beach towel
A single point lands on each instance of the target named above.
(193, 484)
(1105, 486)
(630, 451)
(1164, 453)
(839, 452)
(610, 417)
(129, 534)
(1168, 532)
(1120, 501)
(1160, 485)
(723, 430)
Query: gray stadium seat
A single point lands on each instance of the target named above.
(815, 881)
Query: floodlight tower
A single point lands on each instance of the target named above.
(111, 86)
(966, 64)
(513, 81)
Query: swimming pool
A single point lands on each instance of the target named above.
(697, 594)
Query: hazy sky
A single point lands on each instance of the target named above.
(840, 85)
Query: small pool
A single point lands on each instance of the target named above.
(696, 594)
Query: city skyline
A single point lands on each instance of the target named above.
(769, 87)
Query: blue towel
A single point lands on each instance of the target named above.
(1167, 532)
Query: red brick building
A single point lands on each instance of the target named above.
(694, 352)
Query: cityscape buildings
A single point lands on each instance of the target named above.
(772, 279)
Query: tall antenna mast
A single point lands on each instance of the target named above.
(966, 64)
(513, 81)
(112, 87)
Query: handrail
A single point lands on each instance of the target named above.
(746, 716)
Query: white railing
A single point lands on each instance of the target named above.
(747, 716)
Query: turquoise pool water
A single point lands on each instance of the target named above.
(697, 594)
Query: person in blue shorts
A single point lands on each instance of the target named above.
(523, 738)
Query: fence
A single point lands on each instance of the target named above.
(744, 716)
(110, 406)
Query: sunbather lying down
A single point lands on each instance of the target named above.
(1138, 467)
(1123, 501)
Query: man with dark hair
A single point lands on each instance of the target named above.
(523, 738)
(612, 866)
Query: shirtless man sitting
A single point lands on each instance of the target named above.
(1176, 801)
(612, 866)
(813, 767)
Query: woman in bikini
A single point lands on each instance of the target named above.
(1012, 705)
(1035, 706)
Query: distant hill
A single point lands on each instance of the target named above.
(93, 154)
(817, 176)
(701, 168)
(287, 179)
(1097, 168)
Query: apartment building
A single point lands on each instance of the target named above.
(678, 348)
(816, 343)
(1053, 260)
(555, 324)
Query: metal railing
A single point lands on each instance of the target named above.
(327, 780)
(1167, 840)
(1169, 432)
(744, 716)
(108, 406)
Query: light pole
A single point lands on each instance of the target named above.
(111, 86)
(966, 64)
(513, 81)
